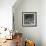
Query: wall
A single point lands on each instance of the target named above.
(6, 13)
(43, 22)
(33, 33)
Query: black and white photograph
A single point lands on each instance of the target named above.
(29, 19)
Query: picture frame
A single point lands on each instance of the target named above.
(13, 22)
(29, 19)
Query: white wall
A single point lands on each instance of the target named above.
(33, 33)
(38, 34)
(6, 13)
(43, 22)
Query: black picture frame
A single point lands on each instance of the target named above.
(29, 19)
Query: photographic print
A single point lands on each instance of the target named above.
(29, 19)
(13, 22)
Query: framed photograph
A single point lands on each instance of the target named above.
(29, 19)
(13, 22)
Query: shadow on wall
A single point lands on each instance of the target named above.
(17, 4)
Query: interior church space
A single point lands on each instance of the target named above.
(22, 22)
